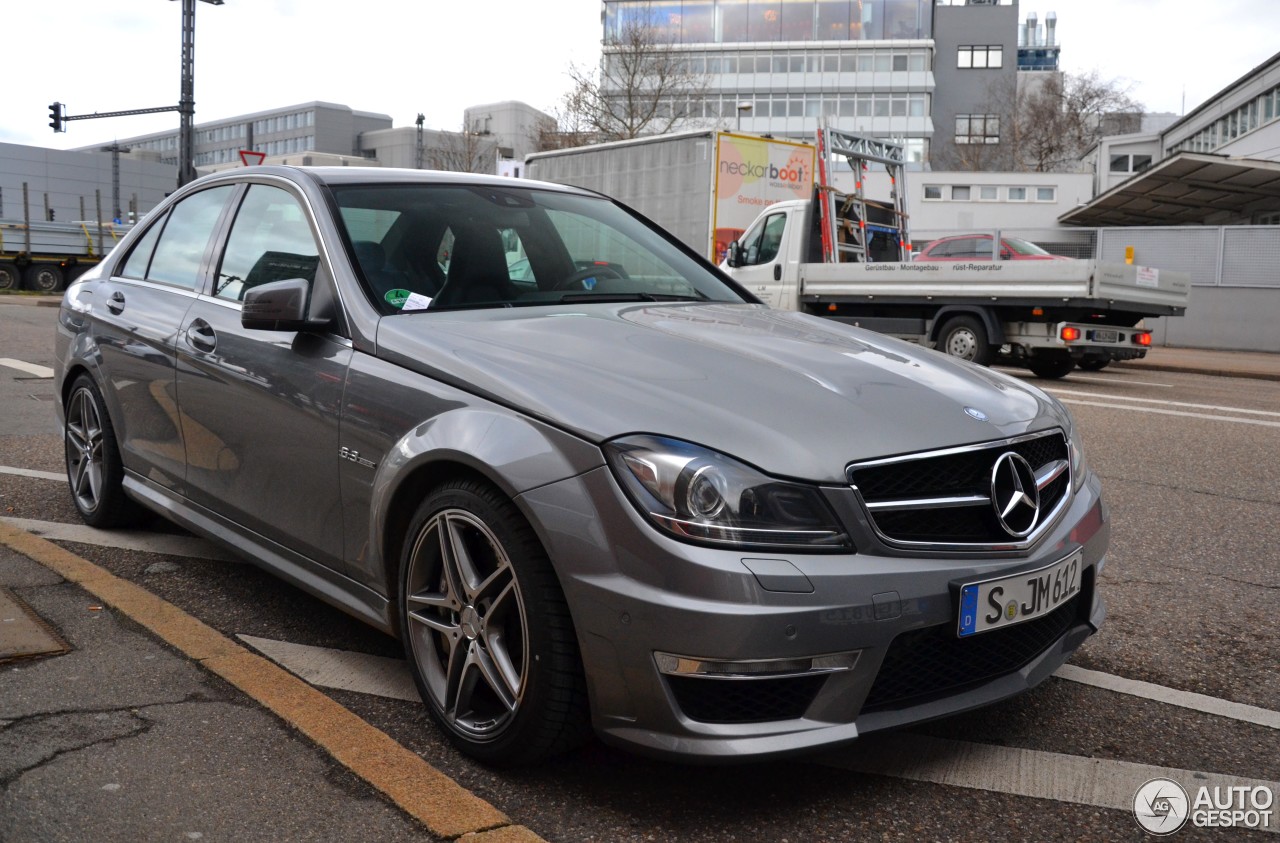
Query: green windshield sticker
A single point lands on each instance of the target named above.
(397, 298)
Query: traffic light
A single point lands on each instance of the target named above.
(55, 117)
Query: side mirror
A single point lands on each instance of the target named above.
(733, 256)
(277, 306)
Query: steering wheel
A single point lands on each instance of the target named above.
(581, 275)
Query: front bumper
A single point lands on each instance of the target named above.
(886, 617)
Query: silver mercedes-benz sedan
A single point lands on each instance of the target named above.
(588, 480)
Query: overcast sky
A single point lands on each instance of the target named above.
(402, 57)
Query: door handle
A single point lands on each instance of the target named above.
(201, 337)
(777, 272)
(115, 304)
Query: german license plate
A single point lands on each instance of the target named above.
(995, 604)
(1104, 336)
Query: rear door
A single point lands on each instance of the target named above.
(134, 326)
(261, 408)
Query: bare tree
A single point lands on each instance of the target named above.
(467, 151)
(641, 87)
(1047, 123)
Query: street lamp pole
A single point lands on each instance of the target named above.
(742, 106)
(187, 99)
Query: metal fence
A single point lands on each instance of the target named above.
(1214, 256)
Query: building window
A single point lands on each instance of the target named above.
(933, 191)
(1046, 194)
(988, 193)
(960, 193)
(1269, 218)
(977, 128)
(980, 57)
(1017, 194)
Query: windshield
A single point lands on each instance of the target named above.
(438, 247)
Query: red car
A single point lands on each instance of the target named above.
(977, 247)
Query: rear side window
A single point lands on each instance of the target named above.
(176, 258)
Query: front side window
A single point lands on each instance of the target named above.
(761, 244)
(179, 254)
(270, 241)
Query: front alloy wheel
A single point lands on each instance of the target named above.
(486, 629)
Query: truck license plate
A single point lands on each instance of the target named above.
(1104, 336)
(995, 604)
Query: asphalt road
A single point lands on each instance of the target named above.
(1189, 465)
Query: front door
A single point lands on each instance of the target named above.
(261, 408)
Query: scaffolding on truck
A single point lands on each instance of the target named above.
(848, 223)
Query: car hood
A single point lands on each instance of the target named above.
(794, 395)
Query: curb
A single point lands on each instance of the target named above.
(1196, 370)
(442, 805)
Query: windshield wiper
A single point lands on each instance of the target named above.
(579, 298)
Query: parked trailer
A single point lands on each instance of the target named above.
(45, 256)
(704, 186)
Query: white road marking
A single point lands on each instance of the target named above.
(163, 543)
(346, 671)
(30, 368)
(1024, 772)
(1232, 419)
(1125, 381)
(30, 472)
(1171, 696)
(1095, 782)
(1165, 403)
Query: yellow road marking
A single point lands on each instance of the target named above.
(437, 801)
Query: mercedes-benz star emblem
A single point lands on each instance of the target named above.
(1014, 495)
(975, 413)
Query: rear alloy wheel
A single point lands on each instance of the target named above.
(44, 277)
(966, 337)
(1052, 367)
(487, 630)
(94, 470)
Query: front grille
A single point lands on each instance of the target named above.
(903, 494)
(744, 700)
(932, 662)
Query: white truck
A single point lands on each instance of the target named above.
(845, 257)
(703, 186)
(1048, 315)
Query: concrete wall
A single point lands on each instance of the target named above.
(513, 125)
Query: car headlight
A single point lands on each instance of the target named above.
(697, 494)
(1075, 450)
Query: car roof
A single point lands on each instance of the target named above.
(393, 176)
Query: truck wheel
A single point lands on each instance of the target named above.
(1052, 367)
(1094, 364)
(487, 631)
(966, 337)
(8, 276)
(95, 472)
(44, 277)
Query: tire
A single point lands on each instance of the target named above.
(44, 277)
(1051, 367)
(1094, 364)
(95, 473)
(9, 276)
(487, 631)
(966, 337)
